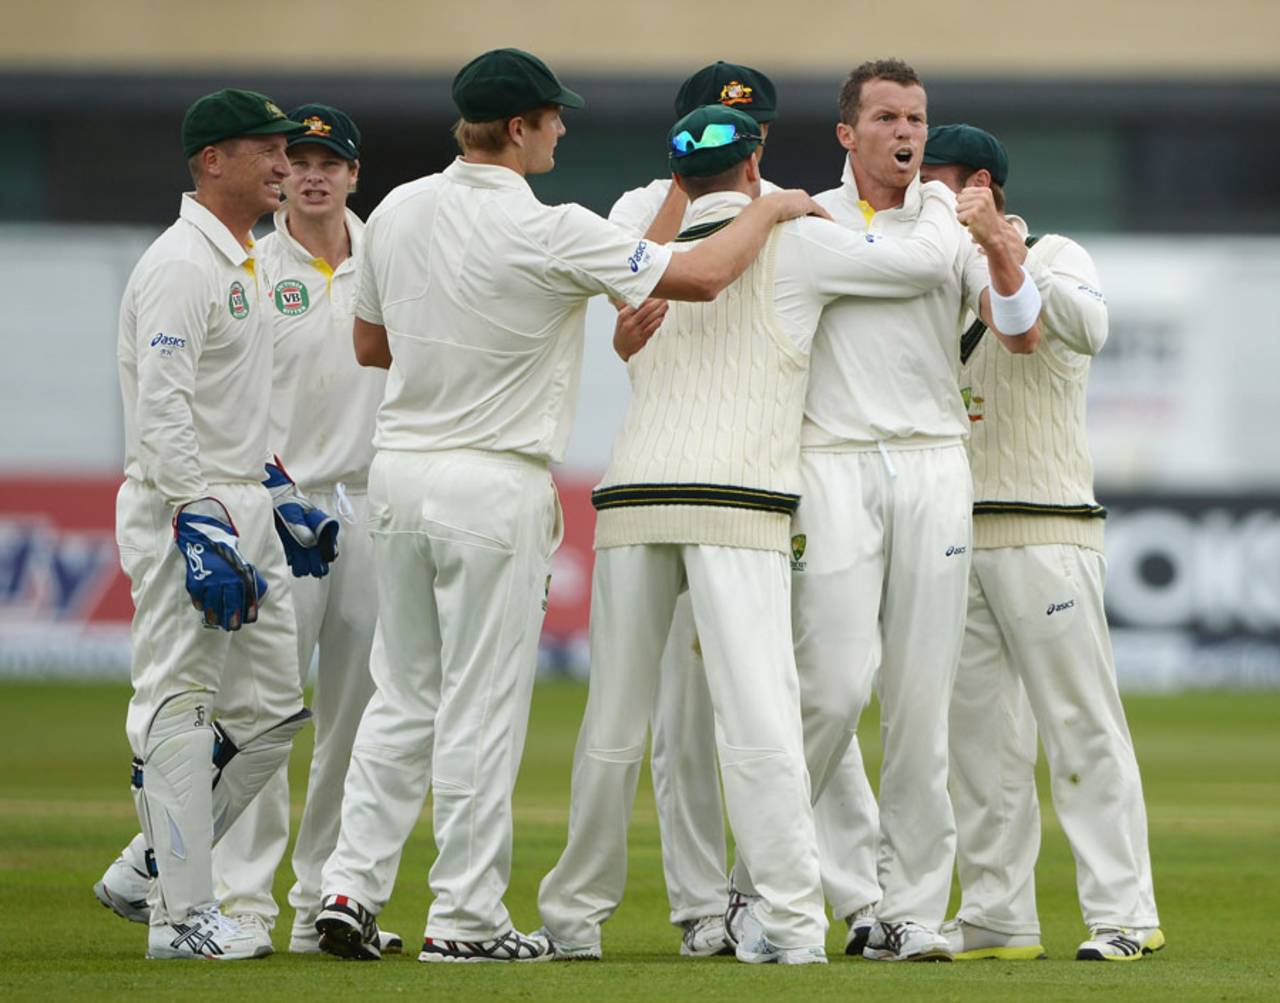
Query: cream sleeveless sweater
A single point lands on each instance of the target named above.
(709, 452)
(1032, 473)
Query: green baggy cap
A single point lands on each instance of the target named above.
(967, 145)
(503, 83)
(328, 127)
(229, 113)
(732, 85)
(710, 140)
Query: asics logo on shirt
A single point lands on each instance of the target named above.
(955, 551)
(1059, 607)
(168, 341)
(198, 571)
(640, 256)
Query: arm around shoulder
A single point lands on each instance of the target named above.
(371, 345)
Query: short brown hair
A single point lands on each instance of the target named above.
(696, 187)
(873, 69)
(492, 136)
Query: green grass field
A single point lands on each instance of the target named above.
(1211, 764)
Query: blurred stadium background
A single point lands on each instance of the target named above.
(1148, 130)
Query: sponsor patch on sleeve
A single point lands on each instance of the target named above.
(1090, 291)
(640, 258)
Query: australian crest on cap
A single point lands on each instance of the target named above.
(273, 109)
(735, 92)
(316, 126)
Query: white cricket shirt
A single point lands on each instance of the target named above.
(323, 403)
(886, 370)
(194, 357)
(483, 291)
(637, 208)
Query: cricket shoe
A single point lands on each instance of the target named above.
(511, 946)
(860, 923)
(123, 889)
(305, 939)
(1117, 943)
(738, 906)
(906, 941)
(754, 947)
(206, 934)
(704, 937)
(348, 930)
(558, 950)
(977, 943)
(256, 927)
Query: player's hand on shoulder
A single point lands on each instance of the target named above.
(636, 325)
(309, 534)
(221, 583)
(789, 203)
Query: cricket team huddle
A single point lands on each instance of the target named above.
(853, 461)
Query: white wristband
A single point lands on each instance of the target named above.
(1015, 315)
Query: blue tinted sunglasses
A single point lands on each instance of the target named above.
(715, 135)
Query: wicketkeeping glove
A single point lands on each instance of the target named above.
(223, 586)
(310, 536)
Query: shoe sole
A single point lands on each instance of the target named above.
(121, 907)
(168, 954)
(934, 955)
(342, 940)
(1033, 953)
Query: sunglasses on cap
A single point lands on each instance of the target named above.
(714, 135)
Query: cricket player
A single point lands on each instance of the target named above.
(475, 294)
(699, 493)
(685, 783)
(322, 411)
(884, 531)
(197, 524)
(1036, 649)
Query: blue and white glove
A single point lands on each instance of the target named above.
(309, 535)
(221, 583)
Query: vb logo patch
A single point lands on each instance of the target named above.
(237, 302)
(291, 297)
(798, 543)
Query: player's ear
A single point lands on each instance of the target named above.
(354, 181)
(844, 136)
(515, 130)
(981, 178)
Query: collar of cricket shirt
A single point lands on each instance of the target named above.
(485, 176)
(912, 201)
(213, 228)
(355, 232)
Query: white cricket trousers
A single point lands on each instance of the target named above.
(1037, 651)
(251, 672)
(741, 614)
(686, 790)
(462, 543)
(883, 582)
(337, 613)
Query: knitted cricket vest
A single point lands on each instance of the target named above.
(709, 452)
(1032, 473)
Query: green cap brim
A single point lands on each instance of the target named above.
(568, 99)
(343, 151)
(280, 125)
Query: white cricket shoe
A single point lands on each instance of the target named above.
(558, 950)
(977, 943)
(1115, 943)
(704, 937)
(734, 912)
(860, 923)
(256, 927)
(754, 947)
(511, 946)
(348, 930)
(906, 941)
(206, 934)
(123, 889)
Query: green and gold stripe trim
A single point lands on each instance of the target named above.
(716, 495)
(1087, 511)
(702, 230)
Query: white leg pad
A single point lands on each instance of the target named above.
(177, 770)
(243, 771)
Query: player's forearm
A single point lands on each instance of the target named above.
(930, 251)
(666, 225)
(1005, 254)
(702, 273)
(169, 451)
(1018, 343)
(371, 345)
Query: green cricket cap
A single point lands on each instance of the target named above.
(967, 145)
(229, 113)
(731, 85)
(503, 83)
(329, 127)
(710, 140)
